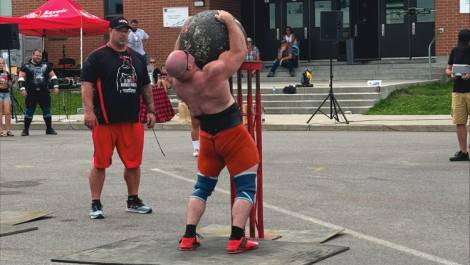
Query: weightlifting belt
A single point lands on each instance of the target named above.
(226, 119)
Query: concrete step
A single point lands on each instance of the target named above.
(309, 110)
(316, 103)
(318, 96)
(378, 70)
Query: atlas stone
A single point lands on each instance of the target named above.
(204, 37)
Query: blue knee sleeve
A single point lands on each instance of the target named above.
(246, 186)
(29, 113)
(204, 187)
(46, 112)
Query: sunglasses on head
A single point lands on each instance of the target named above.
(187, 60)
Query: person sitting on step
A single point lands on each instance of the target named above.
(284, 58)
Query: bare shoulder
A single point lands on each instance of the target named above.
(214, 69)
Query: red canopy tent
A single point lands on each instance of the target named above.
(61, 18)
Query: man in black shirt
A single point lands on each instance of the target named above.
(113, 80)
(461, 92)
(33, 81)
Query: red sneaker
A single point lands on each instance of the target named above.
(238, 246)
(189, 243)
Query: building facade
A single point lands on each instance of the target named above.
(370, 29)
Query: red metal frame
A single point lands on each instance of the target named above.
(254, 126)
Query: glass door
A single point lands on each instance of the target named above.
(319, 49)
(271, 30)
(365, 28)
(394, 29)
(296, 14)
(423, 31)
(408, 24)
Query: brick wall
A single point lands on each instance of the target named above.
(451, 21)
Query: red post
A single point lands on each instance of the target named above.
(254, 127)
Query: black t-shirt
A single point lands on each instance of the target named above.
(460, 55)
(119, 78)
(37, 75)
(5, 78)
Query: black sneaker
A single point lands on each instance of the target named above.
(459, 156)
(96, 211)
(51, 131)
(137, 206)
(25, 133)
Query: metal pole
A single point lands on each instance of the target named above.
(259, 144)
(81, 43)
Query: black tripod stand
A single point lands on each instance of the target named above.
(335, 108)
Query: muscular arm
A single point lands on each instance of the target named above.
(177, 44)
(87, 96)
(229, 61)
(87, 101)
(54, 81)
(51, 74)
(22, 83)
(148, 98)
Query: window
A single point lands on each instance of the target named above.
(344, 5)
(425, 15)
(272, 15)
(321, 6)
(112, 8)
(295, 15)
(394, 11)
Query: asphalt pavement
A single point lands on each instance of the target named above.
(397, 195)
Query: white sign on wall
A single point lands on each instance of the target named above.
(174, 17)
(465, 6)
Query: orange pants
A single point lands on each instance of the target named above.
(128, 138)
(234, 148)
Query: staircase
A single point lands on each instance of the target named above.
(350, 85)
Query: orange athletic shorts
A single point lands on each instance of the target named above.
(234, 148)
(128, 138)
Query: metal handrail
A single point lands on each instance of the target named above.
(429, 56)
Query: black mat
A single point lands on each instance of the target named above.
(151, 251)
(8, 230)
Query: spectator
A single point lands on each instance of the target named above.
(162, 79)
(155, 70)
(5, 101)
(460, 93)
(33, 80)
(253, 51)
(289, 36)
(136, 39)
(113, 80)
(284, 58)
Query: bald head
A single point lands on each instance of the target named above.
(179, 63)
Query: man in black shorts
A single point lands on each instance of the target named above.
(34, 79)
(113, 80)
